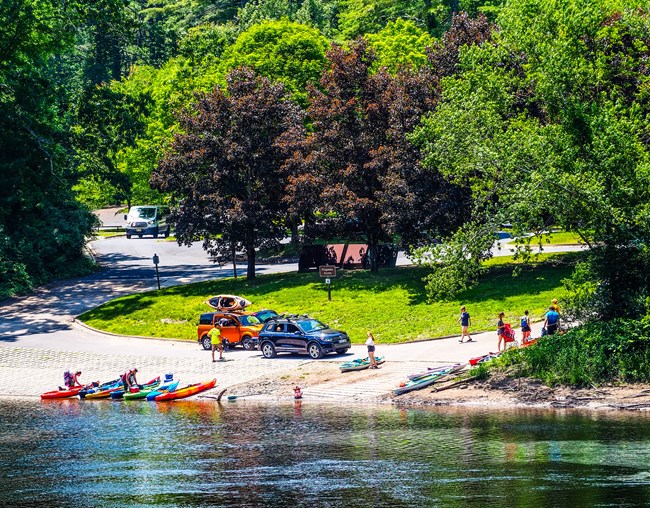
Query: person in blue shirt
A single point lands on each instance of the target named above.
(552, 321)
(465, 322)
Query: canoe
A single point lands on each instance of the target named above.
(151, 385)
(187, 391)
(422, 382)
(360, 364)
(62, 394)
(152, 394)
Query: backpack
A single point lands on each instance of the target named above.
(524, 322)
(67, 378)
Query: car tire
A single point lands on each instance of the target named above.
(167, 233)
(206, 342)
(341, 351)
(128, 237)
(155, 235)
(314, 350)
(268, 350)
(140, 236)
(247, 343)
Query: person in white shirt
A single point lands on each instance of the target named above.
(370, 342)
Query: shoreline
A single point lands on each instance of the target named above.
(496, 392)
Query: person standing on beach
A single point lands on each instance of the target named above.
(370, 343)
(465, 322)
(501, 327)
(525, 327)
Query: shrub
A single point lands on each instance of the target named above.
(597, 352)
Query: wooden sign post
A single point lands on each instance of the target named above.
(327, 271)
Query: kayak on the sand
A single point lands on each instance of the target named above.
(62, 394)
(151, 385)
(432, 370)
(360, 364)
(152, 394)
(186, 391)
(427, 379)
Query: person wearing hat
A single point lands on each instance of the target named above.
(555, 305)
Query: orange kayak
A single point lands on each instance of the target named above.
(187, 391)
(62, 394)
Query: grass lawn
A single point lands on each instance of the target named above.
(557, 238)
(391, 303)
(108, 234)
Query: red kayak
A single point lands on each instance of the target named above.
(62, 394)
(187, 391)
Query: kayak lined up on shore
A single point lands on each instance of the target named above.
(427, 378)
(153, 390)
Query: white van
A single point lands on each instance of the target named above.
(147, 220)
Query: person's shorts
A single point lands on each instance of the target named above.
(551, 329)
(217, 346)
(371, 349)
(525, 328)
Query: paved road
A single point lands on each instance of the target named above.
(39, 339)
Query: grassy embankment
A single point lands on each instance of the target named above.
(392, 303)
(595, 353)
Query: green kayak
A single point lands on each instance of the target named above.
(142, 394)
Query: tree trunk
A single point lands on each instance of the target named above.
(250, 255)
(295, 221)
(373, 258)
(233, 251)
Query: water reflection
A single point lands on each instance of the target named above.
(192, 453)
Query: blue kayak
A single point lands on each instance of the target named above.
(163, 389)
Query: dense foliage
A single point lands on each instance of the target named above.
(42, 227)
(617, 350)
(549, 125)
(420, 123)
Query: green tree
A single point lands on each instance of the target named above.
(400, 43)
(282, 51)
(42, 228)
(225, 166)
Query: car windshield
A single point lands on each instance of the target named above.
(311, 325)
(249, 320)
(143, 212)
(265, 315)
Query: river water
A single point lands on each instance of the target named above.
(199, 453)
